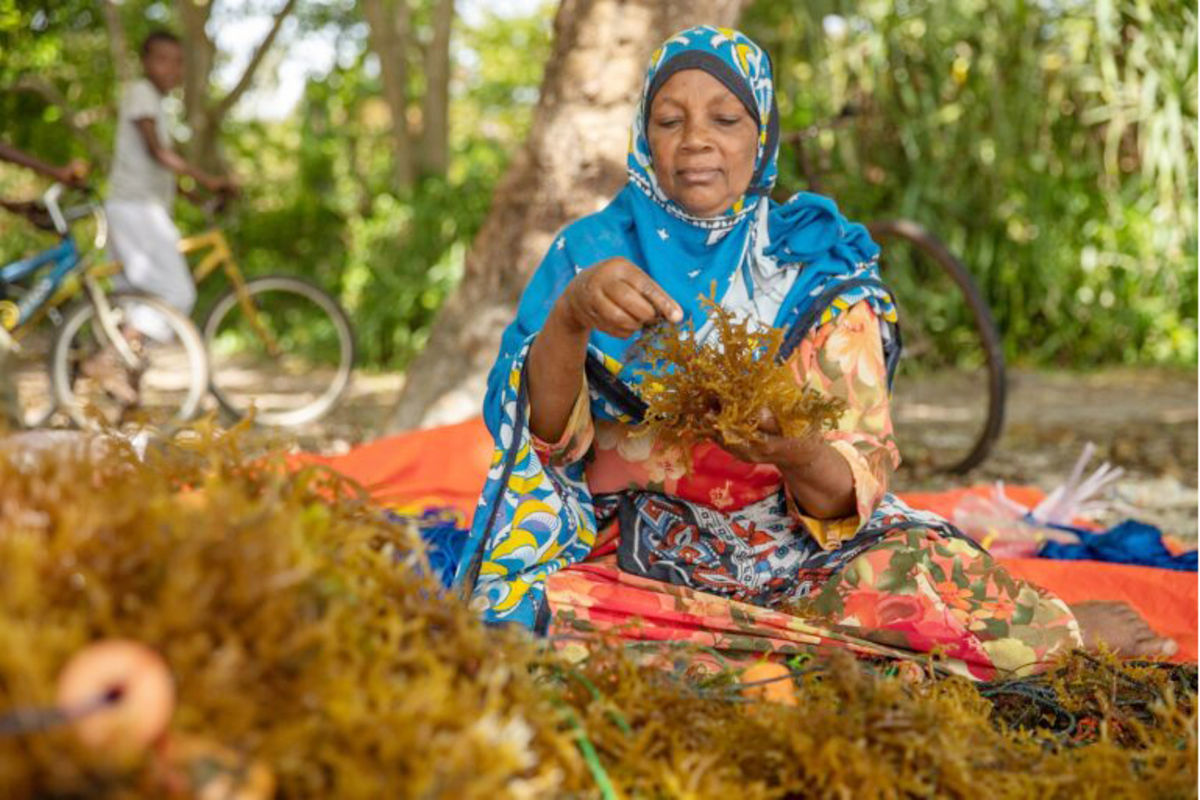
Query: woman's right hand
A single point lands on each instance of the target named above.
(615, 296)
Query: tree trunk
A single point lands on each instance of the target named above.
(571, 165)
(204, 114)
(435, 131)
(388, 31)
(198, 56)
(117, 43)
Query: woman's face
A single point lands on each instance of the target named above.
(703, 142)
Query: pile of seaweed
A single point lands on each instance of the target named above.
(312, 655)
(845, 729)
(716, 391)
(300, 634)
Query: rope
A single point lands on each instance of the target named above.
(19, 721)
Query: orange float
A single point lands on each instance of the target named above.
(779, 689)
(123, 695)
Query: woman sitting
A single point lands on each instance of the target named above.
(585, 522)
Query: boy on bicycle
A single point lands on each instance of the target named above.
(142, 186)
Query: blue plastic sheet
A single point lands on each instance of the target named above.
(1130, 542)
(444, 536)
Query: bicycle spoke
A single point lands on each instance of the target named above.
(105, 389)
(284, 349)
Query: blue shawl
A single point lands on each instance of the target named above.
(534, 518)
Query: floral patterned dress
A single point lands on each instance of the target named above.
(713, 551)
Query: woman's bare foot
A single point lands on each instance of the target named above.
(1122, 628)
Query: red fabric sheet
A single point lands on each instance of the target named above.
(446, 466)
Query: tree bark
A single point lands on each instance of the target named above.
(221, 108)
(435, 115)
(117, 42)
(198, 56)
(205, 114)
(571, 164)
(389, 33)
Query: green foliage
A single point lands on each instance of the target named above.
(61, 46)
(1052, 146)
(318, 199)
(323, 203)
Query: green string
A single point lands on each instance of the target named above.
(616, 716)
(591, 759)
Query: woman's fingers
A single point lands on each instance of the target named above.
(612, 319)
(661, 301)
(617, 297)
(632, 302)
(767, 423)
(644, 285)
(761, 451)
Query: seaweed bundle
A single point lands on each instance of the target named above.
(717, 392)
(860, 730)
(298, 628)
(312, 655)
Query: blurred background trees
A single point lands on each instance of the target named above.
(1051, 144)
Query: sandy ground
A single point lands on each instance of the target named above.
(1143, 421)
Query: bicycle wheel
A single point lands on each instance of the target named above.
(94, 384)
(284, 347)
(950, 390)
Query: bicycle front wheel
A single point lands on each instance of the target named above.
(281, 346)
(950, 391)
(94, 382)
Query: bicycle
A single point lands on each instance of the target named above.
(277, 331)
(951, 351)
(273, 331)
(95, 367)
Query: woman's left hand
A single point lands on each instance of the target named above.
(817, 476)
(775, 448)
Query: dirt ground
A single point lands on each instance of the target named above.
(1144, 421)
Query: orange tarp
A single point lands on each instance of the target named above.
(438, 466)
(446, 467)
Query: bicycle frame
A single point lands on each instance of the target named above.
(17, 319)
(64, 256)
(220, 256)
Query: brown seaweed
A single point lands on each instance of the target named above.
(311, 654)
(291, 615)
(717, 392)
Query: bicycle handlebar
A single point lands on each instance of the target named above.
(215, 204)
(61, 218)
(50, 198)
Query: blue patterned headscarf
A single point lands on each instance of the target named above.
(745, 70)
(774, 261)
(758, 246)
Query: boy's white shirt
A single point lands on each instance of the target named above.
(136, 176)
(141, 196)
